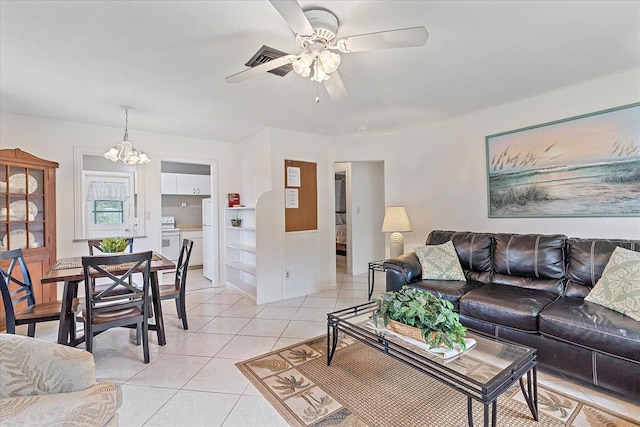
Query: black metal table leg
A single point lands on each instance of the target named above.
(531, 392)
(332, 329)
(371, 280)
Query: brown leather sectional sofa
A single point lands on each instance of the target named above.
(530, 289)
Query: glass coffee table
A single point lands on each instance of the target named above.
(482, 373)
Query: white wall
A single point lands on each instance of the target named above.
(306, 254)
(303, 254)
(367, 213)
(254, 167)
(54, 140)
(444, 171)
(437, 172)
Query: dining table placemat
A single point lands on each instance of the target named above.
(77, 263)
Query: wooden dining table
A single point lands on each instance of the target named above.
(69, 271)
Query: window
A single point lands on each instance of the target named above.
(109, 204)
(108, 212)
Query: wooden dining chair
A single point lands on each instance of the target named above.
(96, 244)
(177, 290)
(129, 306)
(19, 301)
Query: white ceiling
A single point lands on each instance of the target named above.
(79, 60)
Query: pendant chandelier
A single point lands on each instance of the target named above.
(125, 150)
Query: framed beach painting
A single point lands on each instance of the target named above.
(585, 166)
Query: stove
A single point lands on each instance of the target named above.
(170, 238)
(168, 223)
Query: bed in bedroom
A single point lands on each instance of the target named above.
(341, 233)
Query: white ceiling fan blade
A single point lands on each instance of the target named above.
(335, 87)
(262, 68)
(405, 37)
(291, 11)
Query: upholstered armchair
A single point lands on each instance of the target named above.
(43, 383)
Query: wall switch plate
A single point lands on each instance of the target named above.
(287, 274)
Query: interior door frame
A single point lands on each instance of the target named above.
(215, 196)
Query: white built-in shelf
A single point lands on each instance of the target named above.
(247, 268)
(247, 289)
(247, 228)
(241, 247)
(239, 208)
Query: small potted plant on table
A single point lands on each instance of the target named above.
(113, 244)
(422, 316)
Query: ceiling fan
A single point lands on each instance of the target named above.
(315, 32)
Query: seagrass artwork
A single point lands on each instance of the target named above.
(585, 166)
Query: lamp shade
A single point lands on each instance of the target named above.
(395, 219)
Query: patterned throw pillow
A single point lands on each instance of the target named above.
(440, 262)
(619, 285)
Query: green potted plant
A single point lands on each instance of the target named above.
(113, 244)
(420, 315)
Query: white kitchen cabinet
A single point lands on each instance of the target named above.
(169, 183)
(185, 184)
(199, 185)
(196, 252)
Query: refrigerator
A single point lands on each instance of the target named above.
(208, 244)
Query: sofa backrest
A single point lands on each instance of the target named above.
(586, 260)
(554, 263)
(474, 251)
(533, 261)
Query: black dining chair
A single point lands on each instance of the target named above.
(96, 244)
(20, 307)
(128, 306)
(177, 290)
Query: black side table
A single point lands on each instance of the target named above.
(373, 267)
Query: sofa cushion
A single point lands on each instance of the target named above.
(506, 305)
(593, 326)
(93, 406)
(619, 285)
(50, 368)
(535, 256)
(474, 249)
(450, 290)
(440, 262)
(586, 260)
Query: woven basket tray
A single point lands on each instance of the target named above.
(409, 331)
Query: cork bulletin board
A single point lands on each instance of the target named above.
(301, 196)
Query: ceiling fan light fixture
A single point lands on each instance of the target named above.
(330, 61)
(302, 65)
(319, 74)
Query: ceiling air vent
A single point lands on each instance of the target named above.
(266, 54)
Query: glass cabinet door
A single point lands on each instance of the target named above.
(22, 207)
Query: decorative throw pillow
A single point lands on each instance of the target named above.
(440, 262)
(619, 285)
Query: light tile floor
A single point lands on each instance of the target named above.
(193, 381)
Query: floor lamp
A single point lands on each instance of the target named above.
(395, 221)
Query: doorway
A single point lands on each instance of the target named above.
(363, 214)
(188, 200)
(340, 177)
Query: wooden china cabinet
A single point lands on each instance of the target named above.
(28, 214)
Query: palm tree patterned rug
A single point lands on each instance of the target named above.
(364, 387)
